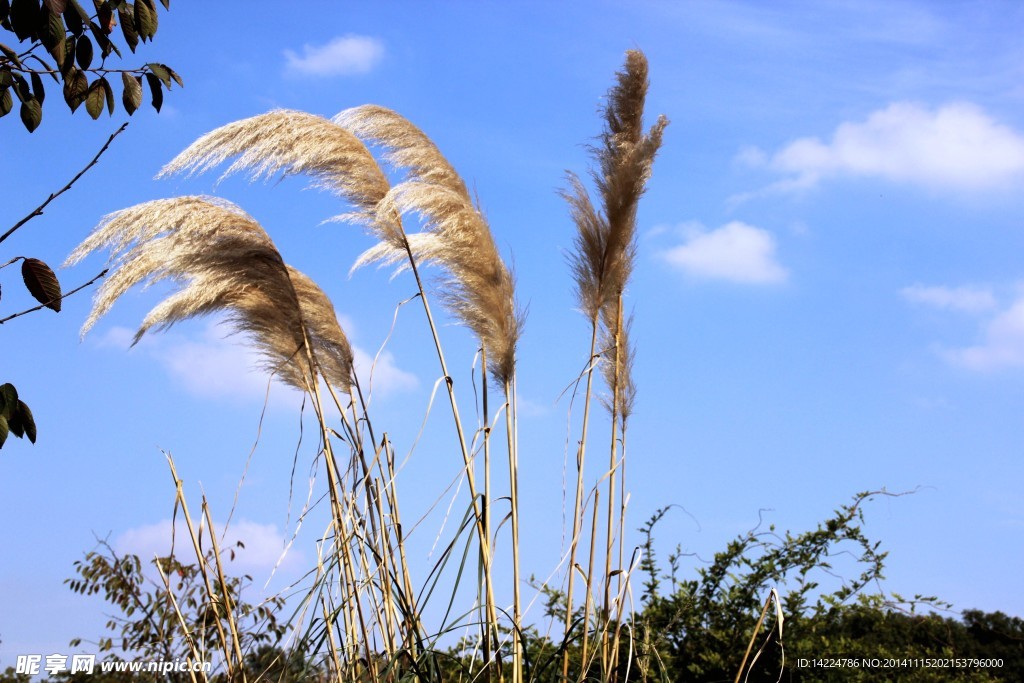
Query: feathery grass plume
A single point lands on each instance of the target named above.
(291, 143)
(479, 289)
(606, 239)
(405, 146)
(223, 261)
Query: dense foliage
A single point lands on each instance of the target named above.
(688, 629)
(69, 44)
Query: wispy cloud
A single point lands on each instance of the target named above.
(209, 364)
(969, 299)
(383, 375)
(343, 56)
(1000, 332)
(264, 544)
(215, 365)
(956, 146)
(1001, 345)
(736, 252)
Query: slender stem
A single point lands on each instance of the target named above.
(512, 432)
(196, 656)
(488, 558)
(334, 482)
(330, 638)
(38, 211)
(409, 611)
(467, 460)
(577, 513)
(623, 587)
(180, 497)
(60, 298)
(589, 598)
(229, 608)
(608, 657)
(753, 636)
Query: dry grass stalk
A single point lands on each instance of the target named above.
(605, 252)
(478, 289)
(231, 648)
(224, 262)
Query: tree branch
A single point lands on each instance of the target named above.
(39, 210)
(61, 297)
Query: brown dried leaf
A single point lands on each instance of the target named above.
(41, 282)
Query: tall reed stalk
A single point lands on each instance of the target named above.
(477, 288)
(603, 260)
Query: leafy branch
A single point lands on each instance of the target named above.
(71, 37)
(54, 303)
(38, 211)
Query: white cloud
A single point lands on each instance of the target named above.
(117, 337)
(969, 299)
(1001, 333)
(736, 251)
(343, 56)
(214, 366)
(217, 365)
(1002, 343)
(385, 377)
(957, 146)
(264, 544)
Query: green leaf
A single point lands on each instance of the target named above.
(74, 20)
(132, 96)
(27, 421)
(94, 100)
(166, 4)
(162, 72)
(145, 19)
(53, 31)
(176, 77)
(76, 87)
(126, 13)
(31, 114)
(21, 87)
(6, 102)
(108, 94)
(105, 16)
(56, 6)
(79, 10)
(155, 91)
(64, 53)
(24, 18)
(11, 55)
(37, 88)
(83, 52)
(8, 399)
(4, 429)
(39, 278)
(15, 423)
(104, 43)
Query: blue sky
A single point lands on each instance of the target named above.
(829, 295)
